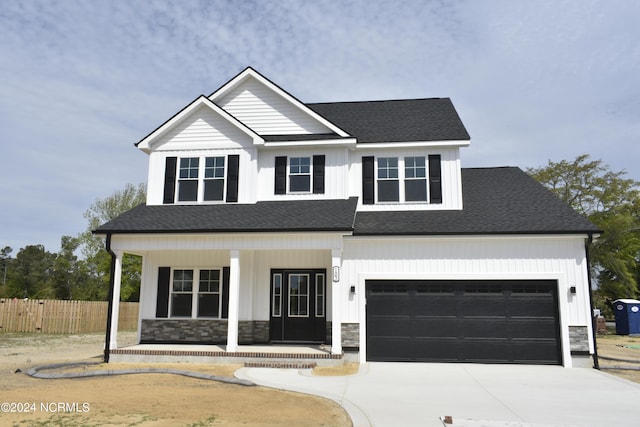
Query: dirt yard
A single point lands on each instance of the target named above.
(620, 347)
(141, 399)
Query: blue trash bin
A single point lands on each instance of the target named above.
(627, 314)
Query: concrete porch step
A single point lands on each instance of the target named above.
(281, 365)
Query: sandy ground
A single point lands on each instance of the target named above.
(141, 399)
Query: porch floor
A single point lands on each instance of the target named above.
(287, 356)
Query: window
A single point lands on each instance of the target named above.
(201, 179)
(209, 293)
(320, 296)
(420, 177)
(197, 293)
(276, 309)
(298, 295)
(188, 179)
(214, 178)
(181, 293)
(300, 174)
(388, 179)
(415, 179)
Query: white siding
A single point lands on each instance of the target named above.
(202, 129)
(335, 173)
(451, 179)
(441, 258)
(267, 112)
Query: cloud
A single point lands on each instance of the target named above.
(83, 80)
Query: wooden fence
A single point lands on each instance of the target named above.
(62, 317)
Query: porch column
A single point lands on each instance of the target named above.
(234, 301)
(117, 281)
(336, 302)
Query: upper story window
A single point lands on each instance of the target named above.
(201, 179)
(299, 174)
(401, 179)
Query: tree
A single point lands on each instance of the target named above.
(610, 201)
(98, 261)
(30, 273)
(5, 261)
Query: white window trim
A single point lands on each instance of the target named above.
(289, 174)
(401, 180)
(195, 291)
(201, 179)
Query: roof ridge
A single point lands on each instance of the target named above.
(377, 100)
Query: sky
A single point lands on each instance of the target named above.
(82, 81)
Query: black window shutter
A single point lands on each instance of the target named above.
(435, 179)
(368, 180)
(233, 165)
(170, 180)
(162, 299)
(281, 175)
(226, 271)
(318, 174)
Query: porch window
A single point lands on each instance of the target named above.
(198, 293)
(181, 293)
(209, 293)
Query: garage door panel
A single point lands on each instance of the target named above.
(429, 327)
(473, 321)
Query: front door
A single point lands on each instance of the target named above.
(298, 302)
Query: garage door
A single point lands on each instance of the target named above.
(463, 321)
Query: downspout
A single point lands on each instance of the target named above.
(596, 364)
(107, 341)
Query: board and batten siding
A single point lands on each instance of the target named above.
(486, 257)
(335, 173)
(267, 112)
(450, 177)
(247, 191)
(255, 274)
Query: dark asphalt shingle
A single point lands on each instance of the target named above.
(267, 216)
(407, 120)
(496, 201)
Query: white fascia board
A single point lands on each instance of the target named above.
(250, 72)
(377, 145)
(348, 142)
(146, 143)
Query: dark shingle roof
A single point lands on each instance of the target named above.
(433, 119)
(268, 216)
(496, 201)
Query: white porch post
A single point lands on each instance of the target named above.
(117, 281)
(336, 302)
(234, 301)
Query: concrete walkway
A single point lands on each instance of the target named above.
(474, 395)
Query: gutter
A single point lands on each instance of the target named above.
(107, 341)
(596, 364)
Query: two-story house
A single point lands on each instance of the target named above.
(349, 224)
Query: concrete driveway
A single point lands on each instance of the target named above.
(474, 395)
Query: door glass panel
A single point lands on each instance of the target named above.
(320, 295)
(298, 295)
(276, 310)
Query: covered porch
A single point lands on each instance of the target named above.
(260, 279)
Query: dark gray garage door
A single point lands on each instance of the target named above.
(463, 321)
